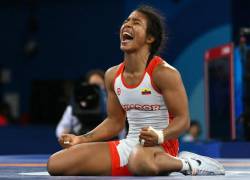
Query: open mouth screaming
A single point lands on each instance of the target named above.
(127, 37)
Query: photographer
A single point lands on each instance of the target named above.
(74, 119)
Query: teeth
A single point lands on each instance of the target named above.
(127, 36)
(126, 40)
(126, 33)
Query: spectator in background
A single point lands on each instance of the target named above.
(193, 133)
(5, 114)
(96, 76)
(69, 122)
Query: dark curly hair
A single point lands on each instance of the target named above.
(155, 27)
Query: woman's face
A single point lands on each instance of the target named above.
(133, 34)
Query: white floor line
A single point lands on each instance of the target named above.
(35, 173)
(228, 173)
(237, 172)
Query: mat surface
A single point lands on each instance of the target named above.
(34, 167)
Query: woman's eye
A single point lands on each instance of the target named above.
(136, 23)
(125, 21)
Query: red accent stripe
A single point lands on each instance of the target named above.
(171, 146)
(134, 85)
(152, 65)
(115, 159)
(118, 72)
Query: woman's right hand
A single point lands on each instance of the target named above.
(68, 140)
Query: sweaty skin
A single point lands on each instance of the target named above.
(82, 154)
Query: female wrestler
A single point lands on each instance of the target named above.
(143, 89)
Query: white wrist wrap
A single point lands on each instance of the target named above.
(159, 134)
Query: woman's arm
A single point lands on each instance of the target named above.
(168, 80)
(111, 126)
(65, 123)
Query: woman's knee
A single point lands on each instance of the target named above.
(142, 163)
(51, 166)
(54, 167)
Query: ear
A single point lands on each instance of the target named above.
(150, 39)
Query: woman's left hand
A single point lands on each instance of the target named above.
(148, 138)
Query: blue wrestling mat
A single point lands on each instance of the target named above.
(34, 167)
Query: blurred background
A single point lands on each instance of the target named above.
(48, 45)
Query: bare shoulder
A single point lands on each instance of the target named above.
(165, 70)
(166, 75)
(110, 76)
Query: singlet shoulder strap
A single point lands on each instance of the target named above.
(118, 72)
(152, 65)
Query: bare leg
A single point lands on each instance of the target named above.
(81, 159)
(152, 161)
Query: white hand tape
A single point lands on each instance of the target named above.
(142, 141)
(66, 142)
(159, 134)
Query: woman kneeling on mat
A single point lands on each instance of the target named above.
(142, 89)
